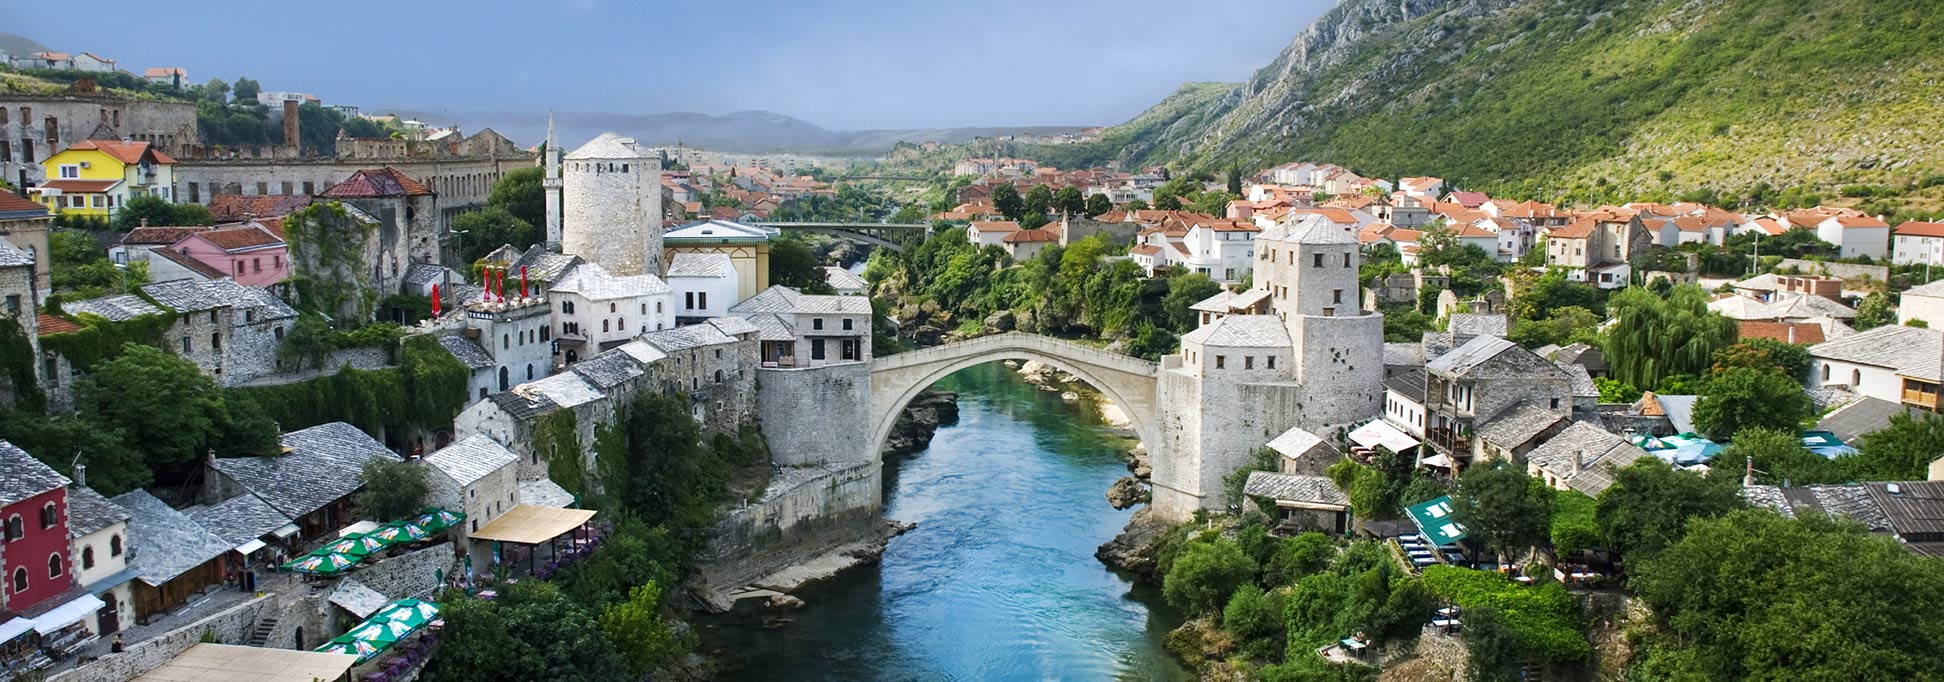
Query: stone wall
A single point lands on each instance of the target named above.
(806, 512)
(230, 626)
(75, 117)
(816, 416)
(463, 184)
(1340, 363)
(413, 575)
(612, 217)
(1880, 273)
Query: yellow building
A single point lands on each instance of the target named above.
(746, 245)
(95, 178)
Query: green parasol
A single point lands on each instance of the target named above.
(345, 644)
(412, 612)
(436, 519)
(381, 631)
(356, 545)
(400, 532)
(321, 563)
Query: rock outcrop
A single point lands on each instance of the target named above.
(1127, 492)
(920, 421)
(1133, 549)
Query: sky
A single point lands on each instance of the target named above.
(849, 65)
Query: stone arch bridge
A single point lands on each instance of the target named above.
(1126, 380)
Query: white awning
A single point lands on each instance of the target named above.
(1381, 433)
(286, 531)
(359, 527)
(15, 628)
(1439, 461)
(67, 614)
(246, 548)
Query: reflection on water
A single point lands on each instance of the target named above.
(998, 581)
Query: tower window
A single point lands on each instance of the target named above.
(1316, 260)
(1221, 361)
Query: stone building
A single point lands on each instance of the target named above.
(1492, 387)
(595, 311)
(311, 481)
(24, 224)
(705, 285)
(98, 542)
(815, 360)
(40, 125)
(410, 230)
(475, 475)
(611, 206)
(229, 330)
(747, 247)
(503, 343)
(1302, 354)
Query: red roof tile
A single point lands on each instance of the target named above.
(151, 236)
(80, 186)
(1025, 236)
(126, 152)
(50, 325)
(1786, 332)
(239, 238)
(376, 182)
(1908, 229)
(11, 203)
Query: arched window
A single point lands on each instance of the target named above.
(506, 341)
(1856, 377)
(54, 565)
(529, 371)
(718, 376)
(87, 557)
(503, 379)
(49, 516)
(604, 326)
(15, 528)
(20, 580)
(1825, 373)
(114, 545)
(611, 308)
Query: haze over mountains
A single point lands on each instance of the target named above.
(742, 131)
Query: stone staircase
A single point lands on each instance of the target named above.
(260, 635)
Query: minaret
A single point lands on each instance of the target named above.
(553, 187)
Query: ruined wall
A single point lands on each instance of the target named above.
(806, 512)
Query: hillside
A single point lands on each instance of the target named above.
(1549, 96)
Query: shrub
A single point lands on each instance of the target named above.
(1545, 620)
(1201, 580)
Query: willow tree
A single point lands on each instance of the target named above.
(1651, 338)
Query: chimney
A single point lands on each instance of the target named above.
(290, 124)
(1579, 459)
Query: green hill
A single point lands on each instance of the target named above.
(1581, 98)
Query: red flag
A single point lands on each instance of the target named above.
(523, 291)
(435, 300)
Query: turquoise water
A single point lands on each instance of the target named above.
(998, 581)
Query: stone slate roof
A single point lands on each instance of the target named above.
(1475, 324)
(1582, 354)
(773, 328)
(1582, 381)
(166, 543)
(609, 146)
(594, 282)
(1297, 442)
(1318, 490)
(1404, 354)
(1911, 351)
(1806, 305)
(186, 295)
(1598, 450)
(642, 351)
(733, 326)
(1846, 501)
(1519, 424)
(467, 351)
(1862, 416)
(240, 519)
(609, 369)
(545, 493)
(1214, 304)
(691, 264)
(471, 459)
(565, 389)
(717, 231)
(88, 512)
(117, 308)
(1241, 331)
(358, 598)
(1470, 356)
(523, 405)
(421, 275)
(22, 476)
(12, 257)
(1309, 228)
(692, 336)
(1409, 383)
(782, 299)
(543, 265)
(322, 466)
(841, 279)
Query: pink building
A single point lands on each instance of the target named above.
(249, 253)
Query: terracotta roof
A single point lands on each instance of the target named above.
(126, 152)
(240, 238)
(12, 203)
(1768, 226)
(1144, 249)
(1578, 229)
(149, 236)
(80, 186)
(1909, 229)
(1862, 221)
(376, 182)
(1786, 332)
(50, 324)
(1026, 236)
(162, 72)
(996, 226)
(1335, 215)
(1231, 226)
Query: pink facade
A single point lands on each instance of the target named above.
(257, 262)
(28, 547)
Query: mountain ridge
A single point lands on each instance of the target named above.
(747, 131)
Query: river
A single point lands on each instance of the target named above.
(998, 580)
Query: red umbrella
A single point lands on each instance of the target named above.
(435, 300)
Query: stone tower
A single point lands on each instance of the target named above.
(1339, 346)
(611, 206)
(552, 185)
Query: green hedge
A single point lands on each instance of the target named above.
(426, 390)
(1545, 618)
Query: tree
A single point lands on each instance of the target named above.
(1137, 205)
(1756, 596)
(1185, 290)
(1069, 201)
(1205, 575)
(1650, 503)
(1235, 180)
(1778, 456)
(1875, 311)
(1491, 649)
(1745, 397)
(1651, 337)
(1499, 504)
(246, 90)
(1006, 200)
(793, 264)
(392, 489)
(1299, 557)
(170, 410)
(1039, 200)
(114, 467)
(1098, 204)
(1256, 618)
(216, 90)
(1166, 199)
(1901, 451)
(1791, 359)
(489, 228)
(530, 632)
(638, 630)
(521, 193)
(158, 212)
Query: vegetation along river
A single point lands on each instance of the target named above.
(998, 581)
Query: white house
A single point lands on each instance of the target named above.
(595, 311)
(1923, 303)
(704, 286)
(98, 541)
(808, 330)
(990, 232)
(1879, 363)
(1222, 249)
(1404, 402)
(1918, 243)
(1856, 236)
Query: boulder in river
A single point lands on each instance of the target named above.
(1127, 492)
(1133, 549)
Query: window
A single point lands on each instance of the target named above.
(70, 171)
(1336, 295)
(1317, 260)
(1272, 362)
(1555, 403)
(658, 310)
(702, 299)
(816, 323)
(185, 345)
(262, 188)
(13, 304)
(604, 326)
(688, 300)
(1248, 362)
(239, 267)
(1346, 259)
(644, 308)
(49, 516)
(87, 557)
(256, 264)
(718, 376)
(849, 324)
(26, 150)
(280, 333)
(849, 349)
(611, 308)
(816, 349)
(1221, 361)
(53, 566)
(1856, 377)
(1825, 373)
(20, 580)
(506, 341)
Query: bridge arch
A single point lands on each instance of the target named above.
(898, 379)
